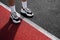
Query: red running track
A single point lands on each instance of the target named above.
(22, 31)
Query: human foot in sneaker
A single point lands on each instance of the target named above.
(15, 17)
(26, 12)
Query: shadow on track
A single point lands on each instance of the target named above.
(8, 32)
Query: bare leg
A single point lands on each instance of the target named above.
(11, 2)
(12, 5)
(23, 0)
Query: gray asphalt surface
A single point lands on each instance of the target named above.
(47, 14)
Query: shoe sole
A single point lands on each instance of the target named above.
(25, 15)
(15, 22)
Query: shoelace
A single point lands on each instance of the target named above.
(27, 10)
(14, 15)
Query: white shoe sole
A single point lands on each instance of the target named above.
(14, 20)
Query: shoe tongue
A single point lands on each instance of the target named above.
(15, 15)
(28, 10)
